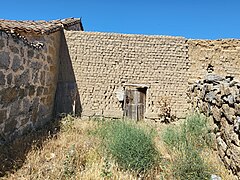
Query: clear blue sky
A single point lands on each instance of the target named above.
(197, 19)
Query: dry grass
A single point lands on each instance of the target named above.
(74, 153)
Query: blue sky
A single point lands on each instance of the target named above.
(199, 19)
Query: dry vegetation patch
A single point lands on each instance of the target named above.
(71, 150)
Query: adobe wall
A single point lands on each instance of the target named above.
(104, 62)
(223, 55)
(28, 78)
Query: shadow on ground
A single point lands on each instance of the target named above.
(14, 154)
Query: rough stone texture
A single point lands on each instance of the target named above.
(225, 116)
(21, 69)
(4, 60)
(2, 44)
(16, 63)
(2, 78)
(103, 62)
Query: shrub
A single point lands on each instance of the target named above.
(131, 147)
(193, 132)
(191, 166)
(188, 140)
(174, 138)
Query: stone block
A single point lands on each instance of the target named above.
(235, 139)
(210, 97)
(3, 115)
(15, 109)
(225, 89)
(4, 60)
(222, 144)
(9, 95)
(216, 112)
(31, 90)
(26, 104)
(227, 161)
(36, 65)
(10, 126)
(2, 44)
(43, 110)
(22, 93)
(30, 54)
(228, 112)
(213, 78)
(16, 63)
(229, 99)
(237, 98)
(34, 114)
(23, 79)
(9, 79)
(236, 156)
(2, 78)
(40, 90)
(219, 101)
(24, 120)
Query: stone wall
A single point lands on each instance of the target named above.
(104, 62)
(28, 78)
(219, 97)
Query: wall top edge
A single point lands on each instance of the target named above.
(144, 35)
(221, 39)
(124, 35)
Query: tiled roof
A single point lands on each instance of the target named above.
(37, 27)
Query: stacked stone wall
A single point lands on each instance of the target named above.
(104, 62)
(28, 77)
(219, 97)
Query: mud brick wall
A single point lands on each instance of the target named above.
(103, 62)
(219, 97)
(28, 77)
(223, 55)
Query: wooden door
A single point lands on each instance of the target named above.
(135, 103)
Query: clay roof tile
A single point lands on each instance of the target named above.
(37, 27)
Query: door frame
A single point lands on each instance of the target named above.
(136, 88)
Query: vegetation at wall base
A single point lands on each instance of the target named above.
(131, 147)
(191, 166)
(82, 149)
(188, 141)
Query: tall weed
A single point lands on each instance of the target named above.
(193, 132)
(191, 166)
(131, 146)
(188, 140)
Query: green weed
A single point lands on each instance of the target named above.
(69, 165)
(188, 140)
(191, 166)
(131, 146)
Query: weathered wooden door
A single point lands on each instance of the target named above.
(135, 103)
